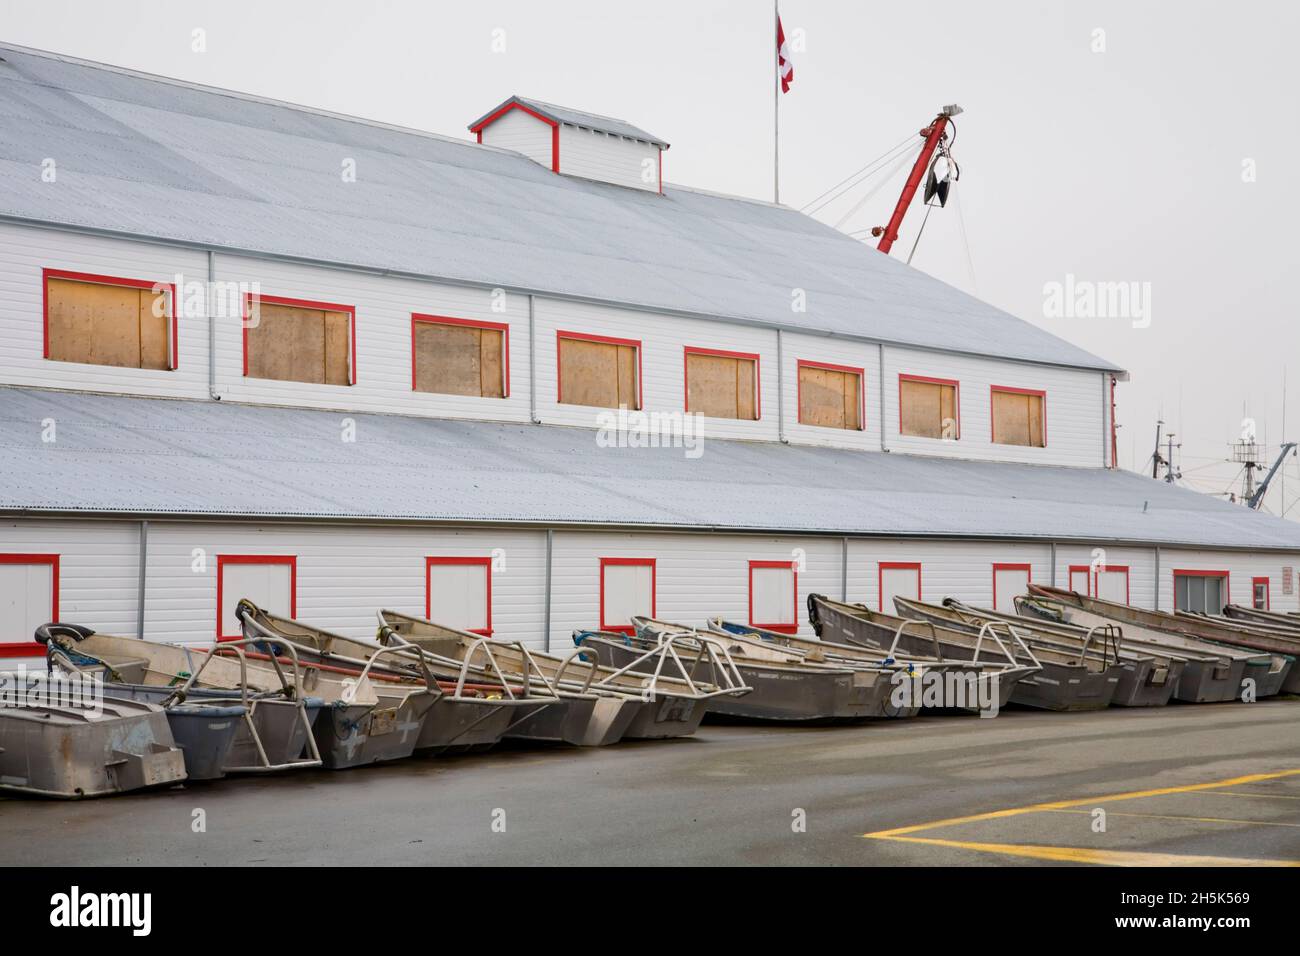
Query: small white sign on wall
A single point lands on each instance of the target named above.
(1286, 580)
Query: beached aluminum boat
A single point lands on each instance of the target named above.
(1148, 676)
(1138, 682)
(274, 732)
(1284, 623)
(78, 747)
(416, 711)
(1267, 669)
(1004, 661)
(592, 711)
(904, 667)
(785, 687)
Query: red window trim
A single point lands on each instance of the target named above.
(904, 377)
(223, 559)
(794, 573)
(1096, 574)
(486, 563)
(478, 128)
(351, 310)
(751, 356)
(848, 369)
(1012, 390)
(884, 566)
(173, 347)
(32, 648)
(1012, 566)
(1196, 573)
(606, 340)
(1268, 592)
(1074, 569)
(502, 327)
(654, 588)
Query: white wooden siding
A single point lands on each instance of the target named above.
(522, 132)
(608, 158)
(344, 573)
(797, 347)
(1075, 426)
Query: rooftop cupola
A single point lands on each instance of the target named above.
(575, 143)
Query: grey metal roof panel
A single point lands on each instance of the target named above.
(121, 455)
(565, 114)
(145, 156)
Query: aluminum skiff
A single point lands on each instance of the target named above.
(1004, 661)
(1147, 679)
(786, 688)
(1267, 669)
(280, 701)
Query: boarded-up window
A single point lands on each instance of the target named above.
(830, 396)
(1081, 579)
(269, 581)
(459, 593)
(601, 372)
(627, 589)
(1018, 417)
(1201, 592)
(773, 596)
(722, 384)
(1112, 584)
(927, 408)
(458, 358)
(1009, 581)
(29, 597)
(293, 341)
(898, 579)
(104, 321)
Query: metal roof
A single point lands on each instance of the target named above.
(144, 156)
(152, 457)
(563, 114)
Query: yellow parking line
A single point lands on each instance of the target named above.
(1069, 854)
(1167, 816)
(1082, 802)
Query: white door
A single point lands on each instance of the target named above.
(268, 585)
(899, 580)
(1009, 581)
(458, 595)
(627, 591)
(1112, 585)
(1079, 578)
(771, 597)
(26, 600)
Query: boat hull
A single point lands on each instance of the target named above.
(666, 716)
(1144, 683)
(351, 735)
(1209, 682)
(205, 731)
(455, 725)
(67, 753)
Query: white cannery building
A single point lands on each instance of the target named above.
(518, 383)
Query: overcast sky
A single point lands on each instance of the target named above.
(1124, 165)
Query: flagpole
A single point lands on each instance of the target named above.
(776, 105)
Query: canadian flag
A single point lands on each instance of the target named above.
(783, 65)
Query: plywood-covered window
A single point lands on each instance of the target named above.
(723, 384)
(268, 580)
(1111, 583)
(929, 407)
(627, 590)
(597, 370)
(29, 597)
(460, 356)
(1009, 581)
(296, 340)
(1259, 599)
(831, 396)
(1200, 592)
(774, 596)
(898, 579)
(459, 593)
(105, 320)
(1019, 416)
